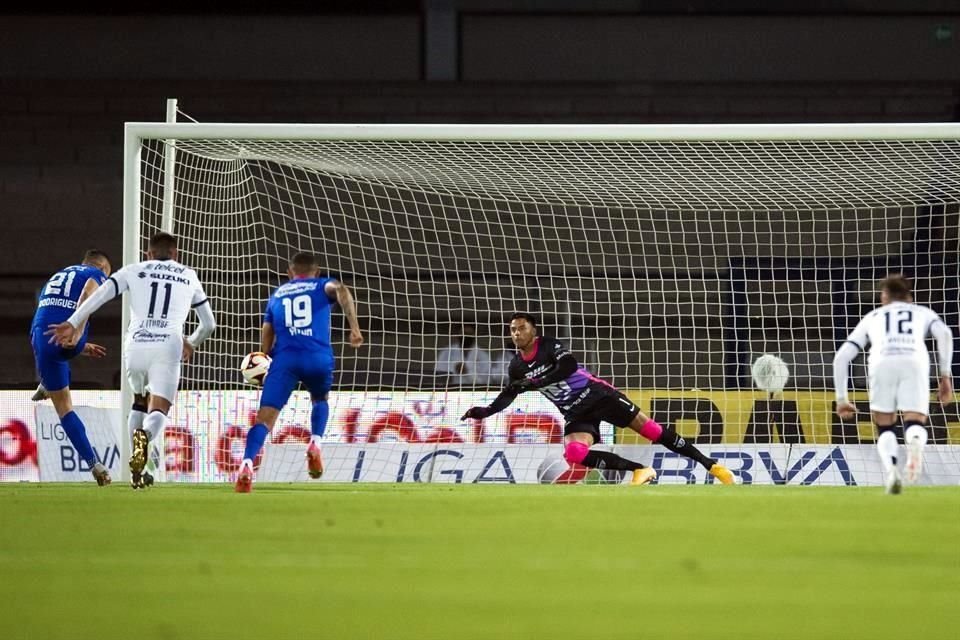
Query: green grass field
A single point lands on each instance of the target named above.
(435, 561)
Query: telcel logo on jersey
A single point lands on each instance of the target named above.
(163, 266)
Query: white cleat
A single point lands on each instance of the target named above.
(893, 483)
(40, 394)
(914, 460)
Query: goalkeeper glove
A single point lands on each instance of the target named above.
(477, 413)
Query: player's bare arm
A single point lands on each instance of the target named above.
(267, 337)
(91, 350)
(349, 306)
(945, 390)
(63, 334)
(187, 351)
(846, 354)
(943, 337)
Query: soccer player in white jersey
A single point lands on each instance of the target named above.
(162, 292)
(899, 371)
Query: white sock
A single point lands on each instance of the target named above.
(154, 424)
(317, 440)
(887, 446)
(918, 432)
(246, 462)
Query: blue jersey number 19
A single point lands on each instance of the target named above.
(298, 312)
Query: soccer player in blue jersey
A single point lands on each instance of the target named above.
(61, 295)
(296, 334)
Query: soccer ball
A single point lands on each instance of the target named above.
(254, 367)
(770, 373)
(551, 468)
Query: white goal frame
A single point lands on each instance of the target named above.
(136, 132)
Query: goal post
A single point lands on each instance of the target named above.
(669, 258)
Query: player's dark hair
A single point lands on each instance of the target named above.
(523, 315)
(162, 244)
(95, 255)
(896, 286)
(303, 263)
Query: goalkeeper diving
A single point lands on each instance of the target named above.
(545, 365)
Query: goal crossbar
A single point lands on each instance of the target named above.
(549, 132)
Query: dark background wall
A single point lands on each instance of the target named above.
(69, 80)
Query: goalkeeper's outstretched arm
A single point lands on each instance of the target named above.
(501, 402)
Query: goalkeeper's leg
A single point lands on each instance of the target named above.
(576, 450)
(667, 437)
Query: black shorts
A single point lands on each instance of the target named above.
(612, 407)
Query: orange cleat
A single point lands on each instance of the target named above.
(314, 461)
(643, 476)
(722, 474)
(244, 479)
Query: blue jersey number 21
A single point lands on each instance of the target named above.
(56, 287)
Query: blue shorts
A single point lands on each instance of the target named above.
(290, 367)
(53, 361)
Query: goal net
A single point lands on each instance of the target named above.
(668, 259)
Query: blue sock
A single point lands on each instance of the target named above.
(318, 417)
(77, 433)
(255, 439)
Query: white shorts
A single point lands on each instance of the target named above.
(900, 384)
(154, 368)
